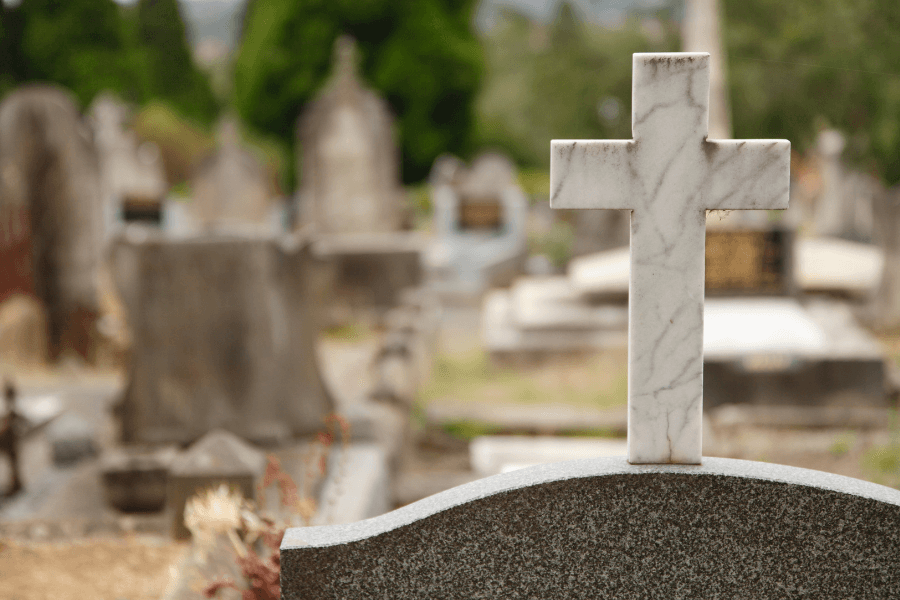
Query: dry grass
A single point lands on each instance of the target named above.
(99, 569)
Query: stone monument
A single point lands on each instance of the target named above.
(51, 223)
(230, 187)
(224, 331)
(131, 173)
(351, 196)
(480, 214)
(610, 527)
(349, 169)
(669, 175)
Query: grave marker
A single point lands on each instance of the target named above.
(606, 527)
(669, 175)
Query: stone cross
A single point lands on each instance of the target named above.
(668, 176)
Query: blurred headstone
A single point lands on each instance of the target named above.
(350, 160)
(135, 478)
(231, 187)
(218, 458)
(480, 216)
(598, 230)
(844, 206)
(224, 332)
(51, 220)
(132, 176)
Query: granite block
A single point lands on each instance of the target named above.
(603, 528)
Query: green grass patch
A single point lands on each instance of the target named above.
(842, 444)
(469, 430)
(471, 377)
(349, 332)
(882, 464)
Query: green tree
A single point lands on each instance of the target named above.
(797, 66)
(171, 71)
(75, 43)
(421, 55)
(10, 48)
(568, 79)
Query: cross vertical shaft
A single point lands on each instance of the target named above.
(668, 176)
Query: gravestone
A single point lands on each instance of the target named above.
(131, 173)
(480, 216)
(349, 167)
(844, 204)
(607, 527)
(669, 175)
(51, 223)
(351, 195)
(219, 458)
(224, 331)
(231, 188)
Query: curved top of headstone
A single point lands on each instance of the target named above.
(576, 469)
(605, 528)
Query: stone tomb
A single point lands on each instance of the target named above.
(219, 458)
(608, 527)
(351, 195)
(131, 173)
(232, 189)
(480, 216)
(224, 337)
(51, 218)
(350, 163)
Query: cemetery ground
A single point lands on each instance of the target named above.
(132, 558)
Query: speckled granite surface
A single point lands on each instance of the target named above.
(602, 528)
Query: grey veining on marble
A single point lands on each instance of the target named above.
(668, 176)
(597, 528)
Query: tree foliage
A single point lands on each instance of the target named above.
(89, 46)
(564, 80)
(170, 68)
(419, 54)
(795, 67)
(78, 44)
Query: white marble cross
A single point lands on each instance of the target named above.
(668, 176)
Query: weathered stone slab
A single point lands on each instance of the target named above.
(231, 187)
(224, 337)
(554, 303)
(604, 528)
(51, 218)
(357, 487)
(838, 266)
(776, 351)
(502, 336)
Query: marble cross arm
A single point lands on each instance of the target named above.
(591, 174)
(747, 174)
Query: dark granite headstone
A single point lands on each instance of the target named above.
(602, 528)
